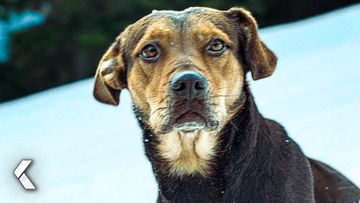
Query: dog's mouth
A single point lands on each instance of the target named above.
(190, 121)
(190, 117)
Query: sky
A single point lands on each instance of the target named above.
(85, 151)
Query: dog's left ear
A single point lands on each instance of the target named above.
(110, 75)
(261, 61)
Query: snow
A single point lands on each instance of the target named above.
(84, 151)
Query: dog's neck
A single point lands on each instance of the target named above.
(245, 132)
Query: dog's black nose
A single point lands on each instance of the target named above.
(188, 85)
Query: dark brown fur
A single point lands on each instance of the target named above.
(254, 160)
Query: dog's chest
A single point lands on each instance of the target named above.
(190, 189)
(188, 153)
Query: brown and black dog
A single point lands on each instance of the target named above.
(203, 134)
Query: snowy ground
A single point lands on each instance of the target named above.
(85, 151)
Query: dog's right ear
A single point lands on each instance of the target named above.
(110, 75)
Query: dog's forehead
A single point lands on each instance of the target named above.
(183, 15)
(176, 20)
(192, 16)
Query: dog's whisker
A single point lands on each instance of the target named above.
(158, 109)
(225, 95)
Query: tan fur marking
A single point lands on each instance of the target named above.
(188, 153)
(207, 32)
(160, 31)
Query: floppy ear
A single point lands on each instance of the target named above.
(110, 75)
(261, 61)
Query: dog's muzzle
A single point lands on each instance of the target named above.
(189, 108)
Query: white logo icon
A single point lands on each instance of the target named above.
(20, 174)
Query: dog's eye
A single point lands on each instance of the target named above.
(216, 47)
(150, 53)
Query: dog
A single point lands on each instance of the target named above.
(203, 134)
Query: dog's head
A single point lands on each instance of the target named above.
(185, 70)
